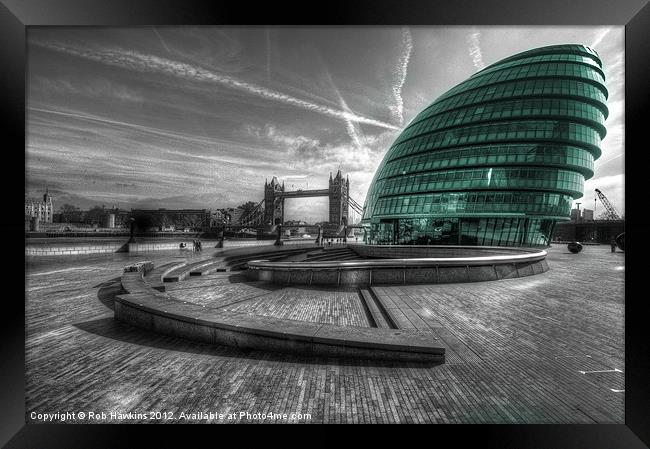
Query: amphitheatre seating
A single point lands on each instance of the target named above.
(241, 262)
(154, 278)
(218, 263)
(345, 253)
(148, 308)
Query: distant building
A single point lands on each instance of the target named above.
(295, 223)
(575, 215)
(43, 210)
(580, 215)
(178, 219)
(230, 215)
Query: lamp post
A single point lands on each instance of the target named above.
(132, 226)
(220, 234)
(319, 239)
(278, 241)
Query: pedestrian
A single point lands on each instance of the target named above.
(198, 245)
(612, 243)
(193, 245)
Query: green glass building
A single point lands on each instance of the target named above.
(496, 160)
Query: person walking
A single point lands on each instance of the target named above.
(612, 243)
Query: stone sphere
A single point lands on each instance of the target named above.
(574, 247)
(620, 241)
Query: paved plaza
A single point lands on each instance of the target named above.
(547, 348)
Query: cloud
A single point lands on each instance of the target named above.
(97, 88)
(401, 71)
(315, 157)
(203, 142)
(475, 49)
(133, 60)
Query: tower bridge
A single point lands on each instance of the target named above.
(270, 211)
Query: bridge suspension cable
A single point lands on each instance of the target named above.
(354, 205)
(254, 216)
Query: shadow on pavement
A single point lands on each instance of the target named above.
(110, 328)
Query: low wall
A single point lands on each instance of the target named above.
(67, 246)
(430, 251)
(73, 248)
(240, 243)
(145, 247)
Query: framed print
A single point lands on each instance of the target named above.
(390, 215)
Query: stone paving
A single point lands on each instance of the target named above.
(543, 349)
(342, 307)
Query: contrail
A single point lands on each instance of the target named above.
(475, 49)
(401, 69)
(600, 37)
(601, 163)
(268, 54)
(162, 41)
(349, 124)
(148, 63)
(142, 128)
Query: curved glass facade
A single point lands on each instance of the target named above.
(497, 159)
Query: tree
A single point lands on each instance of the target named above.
(67, 208)
(95, 215)
(143, 220)
(70, 213)
(247, 207)
(163, 221)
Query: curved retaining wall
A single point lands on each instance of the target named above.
(498, 263)
(430, 251)
(149, 309)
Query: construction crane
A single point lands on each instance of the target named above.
(610, 212)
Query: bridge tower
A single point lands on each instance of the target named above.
(339, 189)
(273, 206)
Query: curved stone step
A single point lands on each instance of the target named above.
(150, 309)
(195, 322)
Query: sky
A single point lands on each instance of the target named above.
(199, 117)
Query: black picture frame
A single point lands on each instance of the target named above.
(16, 15)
